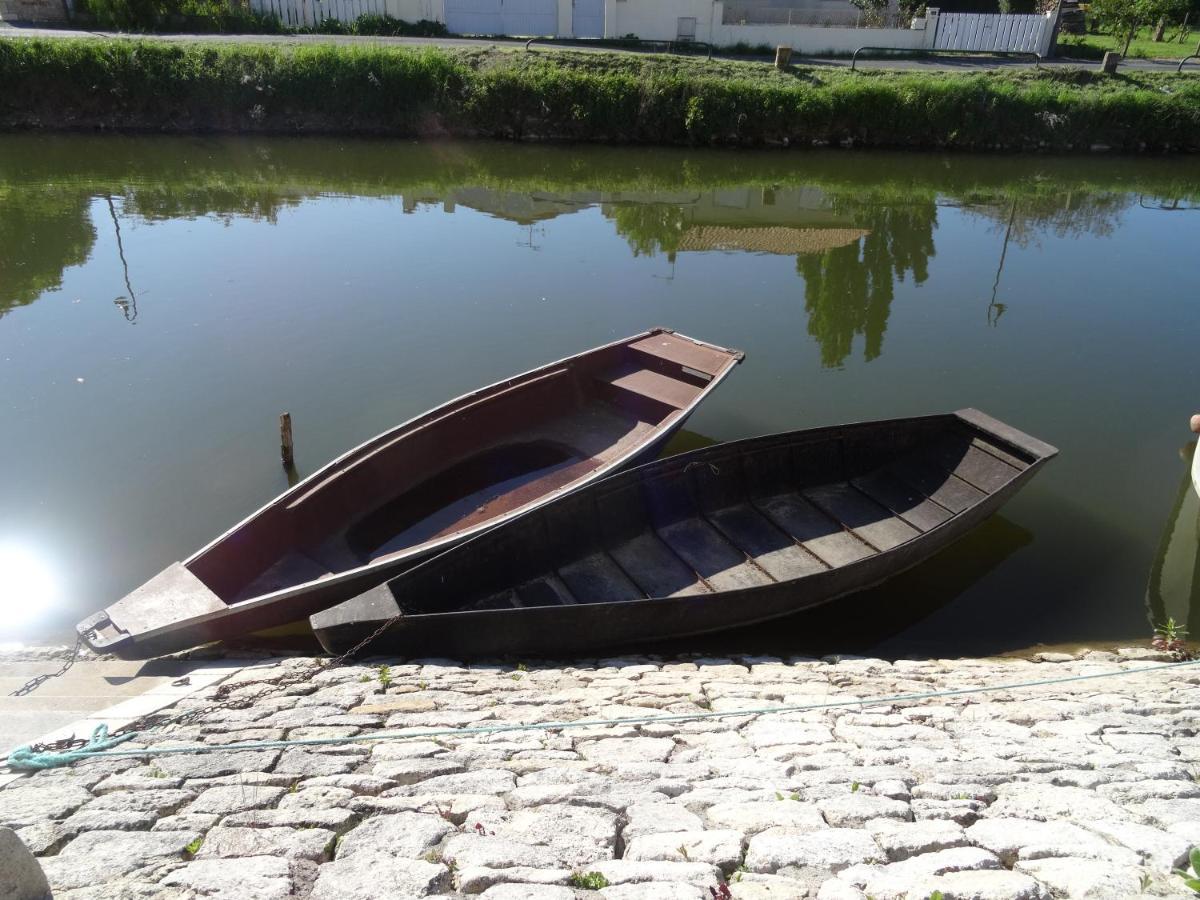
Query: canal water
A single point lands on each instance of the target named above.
(162, 300)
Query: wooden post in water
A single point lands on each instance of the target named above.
(285, 440)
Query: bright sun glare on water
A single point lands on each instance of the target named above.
(29, 587)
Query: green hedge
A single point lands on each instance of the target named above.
(146, 85)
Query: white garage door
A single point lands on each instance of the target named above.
(589, 18)
(523, 17)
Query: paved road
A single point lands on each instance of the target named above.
(958, 63)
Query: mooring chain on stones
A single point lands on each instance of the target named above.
(38, 680)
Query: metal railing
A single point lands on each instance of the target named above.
(1037, 57)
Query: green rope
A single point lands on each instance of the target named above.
(25, 759)
(35, 761)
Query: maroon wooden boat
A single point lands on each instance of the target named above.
(419, 489)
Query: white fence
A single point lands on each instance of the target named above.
(299, 13)
(937, 31)
(982, 32)
(828, 15)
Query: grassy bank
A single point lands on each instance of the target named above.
(546, 95)
(1094, 46)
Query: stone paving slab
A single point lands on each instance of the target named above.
(1086, 789)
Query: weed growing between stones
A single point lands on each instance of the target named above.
(1171, 637)
(1192, 877)
(588, 881)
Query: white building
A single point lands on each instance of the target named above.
(713, 21)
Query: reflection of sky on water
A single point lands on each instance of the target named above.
(31, 588)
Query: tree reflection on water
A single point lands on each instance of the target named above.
(855, 232)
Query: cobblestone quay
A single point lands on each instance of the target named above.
(1079, 789)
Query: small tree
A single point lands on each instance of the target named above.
(1123, 18)
(874, 10)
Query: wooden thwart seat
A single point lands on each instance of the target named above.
(647, 383)
(682, 352)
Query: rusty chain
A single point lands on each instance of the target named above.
(38, 680)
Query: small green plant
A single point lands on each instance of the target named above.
(588, 881)
(156, 772)
(421, 685)
(295, 787)
(936, 895)
(961, 795)
(683, 851)
(433, 856)
(1192, 878)
(778, 796)
(794, 795)
(364, 679)
(1145, 882)
(194, 847)
(1171, 637)
(385, 676)
(703, 703)
(515, 676)
(521, 667)
(854, 786)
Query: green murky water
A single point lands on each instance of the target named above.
(163, 300)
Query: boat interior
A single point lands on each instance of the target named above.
(729, 517)
(466, 464)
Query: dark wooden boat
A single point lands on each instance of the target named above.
(719, 537)
(434, 481)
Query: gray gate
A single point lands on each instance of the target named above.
(988, 31)
(517, 17)
(588, 18)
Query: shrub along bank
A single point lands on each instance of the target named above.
(429, 92)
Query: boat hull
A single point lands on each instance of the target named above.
(463, 468)
(595, 625)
